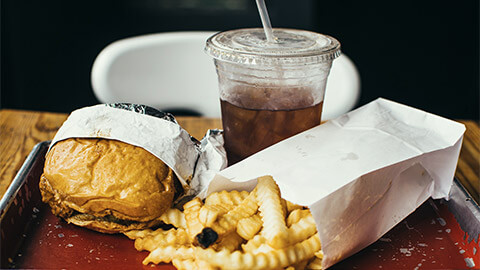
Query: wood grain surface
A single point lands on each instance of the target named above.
(468, 164)
(21, 130)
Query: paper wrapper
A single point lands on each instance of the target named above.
(193, 162)
(360, 174)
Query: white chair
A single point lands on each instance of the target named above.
(171, 71)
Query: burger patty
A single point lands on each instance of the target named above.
(108, 218)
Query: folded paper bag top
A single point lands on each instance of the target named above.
(360, 174)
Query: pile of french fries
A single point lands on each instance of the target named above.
(235, 230)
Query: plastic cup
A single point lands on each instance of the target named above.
(269, 91)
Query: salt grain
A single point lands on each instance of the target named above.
(405, 251)
(470, 263)
(442, 221)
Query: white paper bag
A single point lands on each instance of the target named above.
(360, 174)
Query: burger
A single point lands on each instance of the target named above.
(106, 185)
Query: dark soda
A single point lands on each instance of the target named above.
(247, 131)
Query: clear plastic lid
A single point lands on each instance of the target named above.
(291, 47)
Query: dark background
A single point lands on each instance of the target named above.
(420, 53)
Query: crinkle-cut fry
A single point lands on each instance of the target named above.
(296, 215)
(204, 265)
(230, 242)
(277, 258)
(228, 222)
(163, 238)
(209, 213)
(292, 206)
(299, 266)
(283, 203)
(174, 217)
(248, 227)
(190, 264)
(191, 210)
(187, 264)
(263, 248)
(254, 243)
(168, 253)
(226, 198)
(271, 211)
(303, 229)
(134, 234)
(315, 263)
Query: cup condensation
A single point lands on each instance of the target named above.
(269, 91)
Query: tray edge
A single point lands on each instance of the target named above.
(20, 178)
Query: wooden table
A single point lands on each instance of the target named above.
(21, 130)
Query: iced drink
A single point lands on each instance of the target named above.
(269, 91)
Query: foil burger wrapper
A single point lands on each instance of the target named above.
(194, 162)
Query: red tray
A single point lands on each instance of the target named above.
(31, 237)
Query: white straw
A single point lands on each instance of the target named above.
(267, 27)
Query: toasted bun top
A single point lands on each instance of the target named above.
(107, 177)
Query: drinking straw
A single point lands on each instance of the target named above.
(267, 26)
